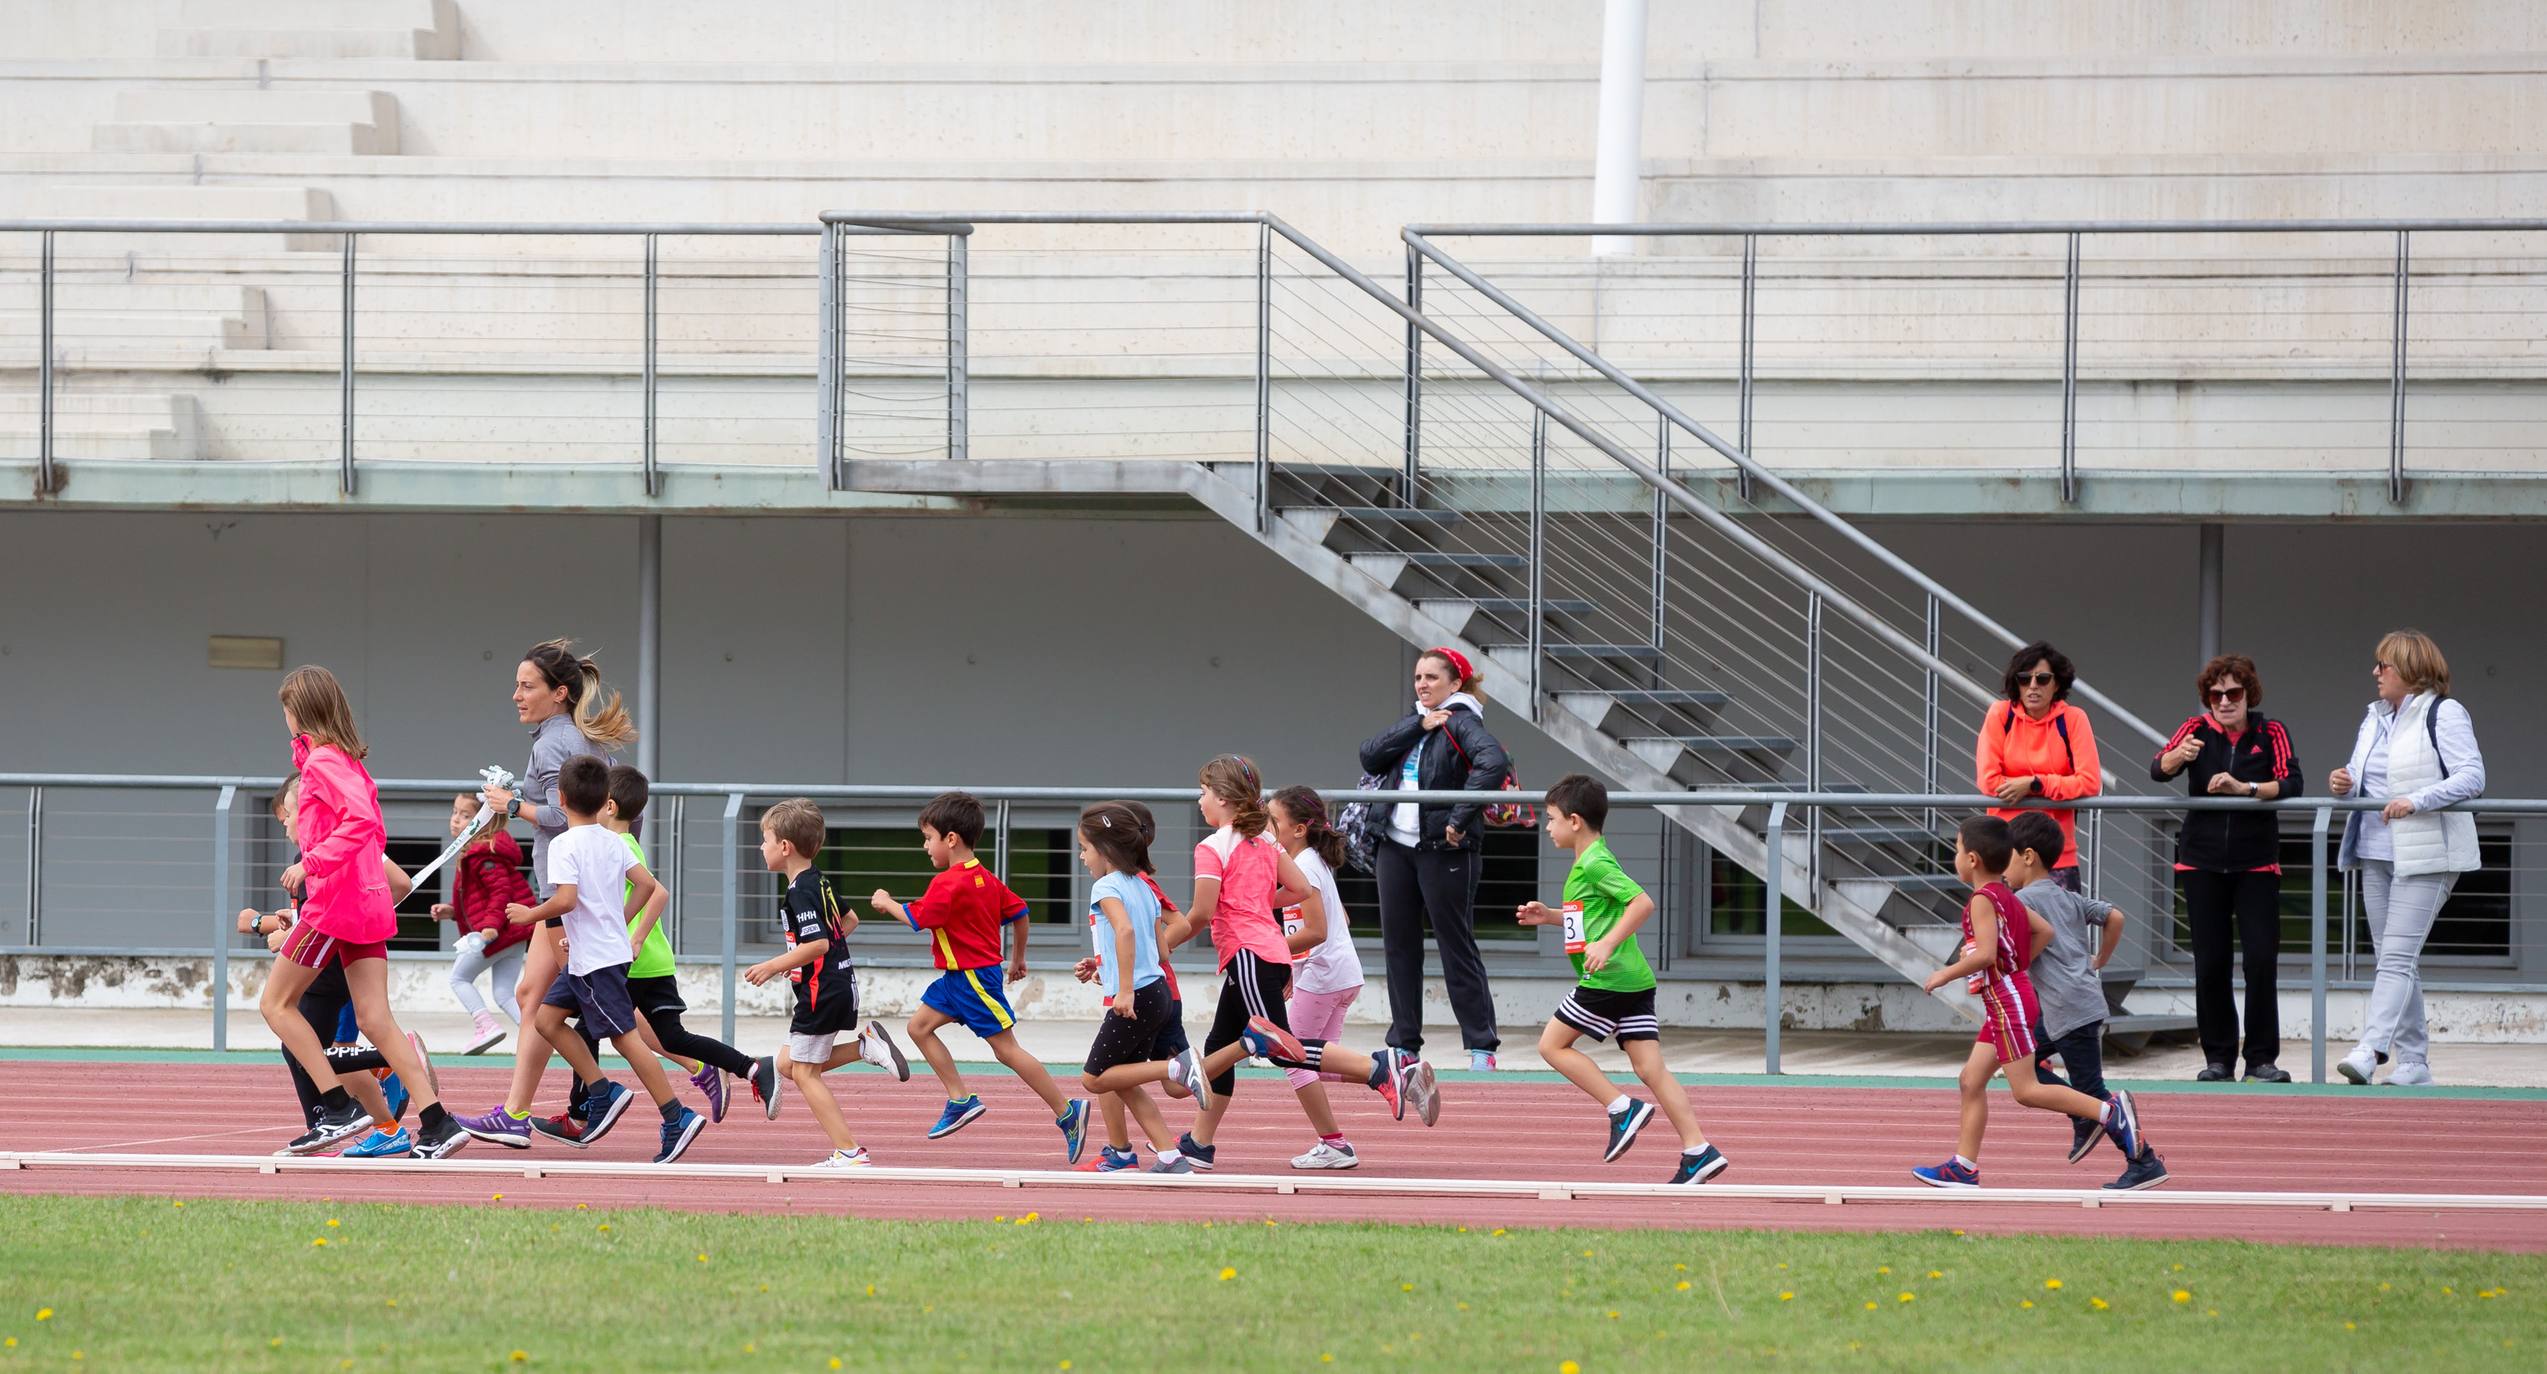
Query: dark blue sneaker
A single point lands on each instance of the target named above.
(2122, 1125)
(603, 1107)
(957, 1116)
(1110, 1160)
(1266, 1040)
(1947, 1175)
(1186, 1158)
(678, 1133)
(2148, 1171)
(382, 1145)
(396, 1092)
(1700, 1167)
(2082, 1138)
(1073, 1122)
(1624, 1127)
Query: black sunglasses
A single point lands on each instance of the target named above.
(2037, 679)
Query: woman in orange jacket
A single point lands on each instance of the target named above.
(2035, 744)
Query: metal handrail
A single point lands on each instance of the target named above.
(1960, 228)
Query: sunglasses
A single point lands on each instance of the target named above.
(2378, 668)
(2037, 679)
(2227, 696)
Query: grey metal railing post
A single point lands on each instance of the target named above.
(1662, 532)
(999, 846)
(1931, 711)
(654, 479)
(1538, 550)
(1412, 478)
(44, 483)
(1813, 737)
(1264, 377)
(35, 866)
(732, 840)
(2317, 943)
(827, 360)
(2396, 380)
(1772, 918)
(1742, 382)
(223, 919)
(2069, 373)
(345, 374)
(959, 401)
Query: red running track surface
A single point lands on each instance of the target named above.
(2378, 1142)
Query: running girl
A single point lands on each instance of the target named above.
(1123, 921)
(1326, 974)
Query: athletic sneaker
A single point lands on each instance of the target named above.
(561, 1128)
(2270, 1072)
(1073, 1122)
(1394, 1066)
(1187, 1069)
(490, 1033)
(424, 1061)
(498, 1127)
(1109, 1160)
(957, 1116)
(2122, 1122)
(875, 1045)
(2406, 1075)
(710, 1081)
(847, 1159)
(2082, 1138)
(1173, 1163)
(1187, 1158)
(677, 1135)
(1328, 1155)
(382, 1145)
(2359, 1065)
(1947, 1175)
(332, 1128)
(433, 1144)
(603, 1107)
(1481, 1061)
(2148, 1171)
(1266, 1040)
(1421, 1092)
(1624, 1127)
(395, 1091)
(764, 1081)
(1700, 1167)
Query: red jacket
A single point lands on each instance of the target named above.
(488, 878)
(342, 845)
(2059, 751)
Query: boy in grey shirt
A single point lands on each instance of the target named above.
(2066, 987)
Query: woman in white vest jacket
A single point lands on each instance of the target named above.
(2416, 749)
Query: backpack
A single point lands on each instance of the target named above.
(2060, 723)
(1512, 815)
(1360, 825)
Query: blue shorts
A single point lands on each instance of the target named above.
(975, 997)
(600, 997)
(347, 1029)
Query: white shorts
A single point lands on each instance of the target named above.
(812, 1049)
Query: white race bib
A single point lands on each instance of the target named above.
(1098, 929)
(1974, 982)
(1292, 920)
(1574, 941)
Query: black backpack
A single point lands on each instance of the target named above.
(1360, 825)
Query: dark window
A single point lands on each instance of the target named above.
(860, 859)
(1737, 899)
(2474, 924)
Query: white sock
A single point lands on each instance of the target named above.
(1619, 1105)
(1695, 1150)
(1962, 1163)
(2105, 1113)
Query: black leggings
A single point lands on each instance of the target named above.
(1250, 986)
(1435, 887)
(325, 1001)
(683, 1043)
(2247, 905)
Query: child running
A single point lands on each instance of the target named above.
(824, 979)
(967, 912)
(1123, 924)
(1999, 937)
(1614, 993)
(1118, 1154)
(1240, 877)
(594, 876)
(487, 879)
(1326, 971)
(347, 916)
(2072, 997)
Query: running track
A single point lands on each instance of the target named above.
(2381, 1141)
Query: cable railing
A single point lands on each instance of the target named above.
(136, 865)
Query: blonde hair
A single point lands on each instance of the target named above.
(318, 707)
(2417, 660)
(604, 722)
(799, 822)
(1233, 779)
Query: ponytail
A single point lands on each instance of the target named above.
(1233, 779)
(1310, 810)
(604, 721)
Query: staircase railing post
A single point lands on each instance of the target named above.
(1264, 377)
(654, 475)
(345, 373)
(827, 359)
(1813, 737)
(1662, 533)
(44, 483)
(1411, 480)
(1538, 550)
(2069, 374)
(1742, 382)
(959, 403)
(1930, 709)
(223, 922)
(1773, 917)
(35, 865)
(2324, 818)
(730, 838)
(2396, 381)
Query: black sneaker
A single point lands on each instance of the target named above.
(2267, 1072)
(1700, 1167)
(2214, 1072)
(2148, 1171)
(2082, 1138)
(1199, 1156)
(764, 1081)
(431, 1144)
(332, 1127)
(1624, 1126)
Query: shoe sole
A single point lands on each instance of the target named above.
(504, 1138)
(1342, 1162)
(1421, 1094)
(1948, 1184)
(399, 1153)
(1075, 1143)
(2141, 1186)
(959, 1123)
(488, 1043)
(769, 1100)
(595, 1130)
(2354, 1076)
(901, 1065)
(1638, 1114)
(2084, 1148)
(1707, 1171)
(1280, 1041)
(339, 1138)
(427, 1150)
(681, 1146)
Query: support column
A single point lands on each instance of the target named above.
(650, 657)
(2211, 599)
(1618, 157)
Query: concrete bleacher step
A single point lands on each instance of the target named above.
(102, 425)
(194, 202)
(344, 140)
(314, 30)
(189, 119)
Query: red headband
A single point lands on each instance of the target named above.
(1457, 660)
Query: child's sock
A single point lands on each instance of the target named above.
(1962, 1163)
(1697, 1149)
(434, 1119)
(336, 1099)
(1379, 1072)
(1335, 1138)
(670, 1107)
(517, 1116)
(1618, 1104)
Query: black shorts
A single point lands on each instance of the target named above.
(1171, 1040)
(1134, 1039)
(601, 996)
(654, 996)
(1250, 986)
(836, 1014)
(1605, 1015)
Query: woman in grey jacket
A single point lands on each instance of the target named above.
(2417, 750)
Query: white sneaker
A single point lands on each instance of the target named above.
(1326, 1156)
(2359, 1065)
(1481, 1061)
(2406, 1075)
(490, 1033)
(875, 1045)
(848, 1159)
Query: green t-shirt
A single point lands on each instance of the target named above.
(654, 958)
(1604, 890)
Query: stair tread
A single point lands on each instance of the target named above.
(1599, 650)
(1399, 515)
(1704, 743)
(1880, 834)
(1561, 605)
(1454, 560)
(1657, 697)
(1919, 882)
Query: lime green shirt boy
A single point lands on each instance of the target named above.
(654, 957)
(1603, 890)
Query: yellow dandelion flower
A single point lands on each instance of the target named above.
(2177, 1268)
(176, 1204)
(521, 1356)
(82, 1355)
(1906, 1296)
(1463, 1307)
(1883, 1269)
(2053, 1284)
(581, 1207)
(871, 1290)
(1227, 1273)
(1325, 1357)
(2348, 1326)
(318, 1242)
(1680, 1268)
(45, 1314)
(2027, 1304)
(9, 1343)
(1613, 1314)
(1065, 1364)
(1782, 1264)
(2213, 1312)
(1870, 1306)
(1936, 1273)
(1681, 1287)
(2181, 1296)
(1569, 1367)
(835, 1362)
(499, 1197)
(2383, 1287)
(276, 1343)
(1587, 1254)
(1406, 1288)
(393, 1302)
(605, 1226)
(751, 1347)
(2447, 1291)
(2486, 1294)
(2098, 1303)
(1787, 1295)
(333, 1223)
(1498, 1231)
(1958, 1230)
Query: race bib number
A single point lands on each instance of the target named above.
(1974, 982)
(1574, 941)
(1292, 920)
(1098, 929)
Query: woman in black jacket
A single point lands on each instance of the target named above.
(2230, 863)
(1428, 861)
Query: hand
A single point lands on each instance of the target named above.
(1434, 720)
(1453, 836)
(1123, 1004)
(882, 901)
(2339, 782)
(2014, 790)
(756, 975)
(249, 920)
(1086, 969)
(444, 911)
(498, 798)
(561, 947)
(1534, 914)
(1016, 968)
(2182, 754)
(2399, 809)
(517, 914)
(1935, 981)
(274, 939)
(2222, 785)
(293, 877)
(2098, 963)
(1597, 954)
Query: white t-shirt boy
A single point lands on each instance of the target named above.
(596, 860)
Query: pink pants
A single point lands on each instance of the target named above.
(1318, 1016)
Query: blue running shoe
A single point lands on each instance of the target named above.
(1110, 1160)
(396, 1092)
(1624, 1126)
(603, 1107)
(2148, 1171)
(1700, 1167)
(1074, 1128)
(957, 1116)
(382, 1145)
(2122, 1125)
(1947, 1175)
(1266, 1040)
(678, 1133)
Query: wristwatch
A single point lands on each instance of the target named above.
(512, 807)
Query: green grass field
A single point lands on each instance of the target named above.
(107, 1283)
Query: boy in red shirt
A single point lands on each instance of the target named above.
(966, 912)
(2000, 935)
